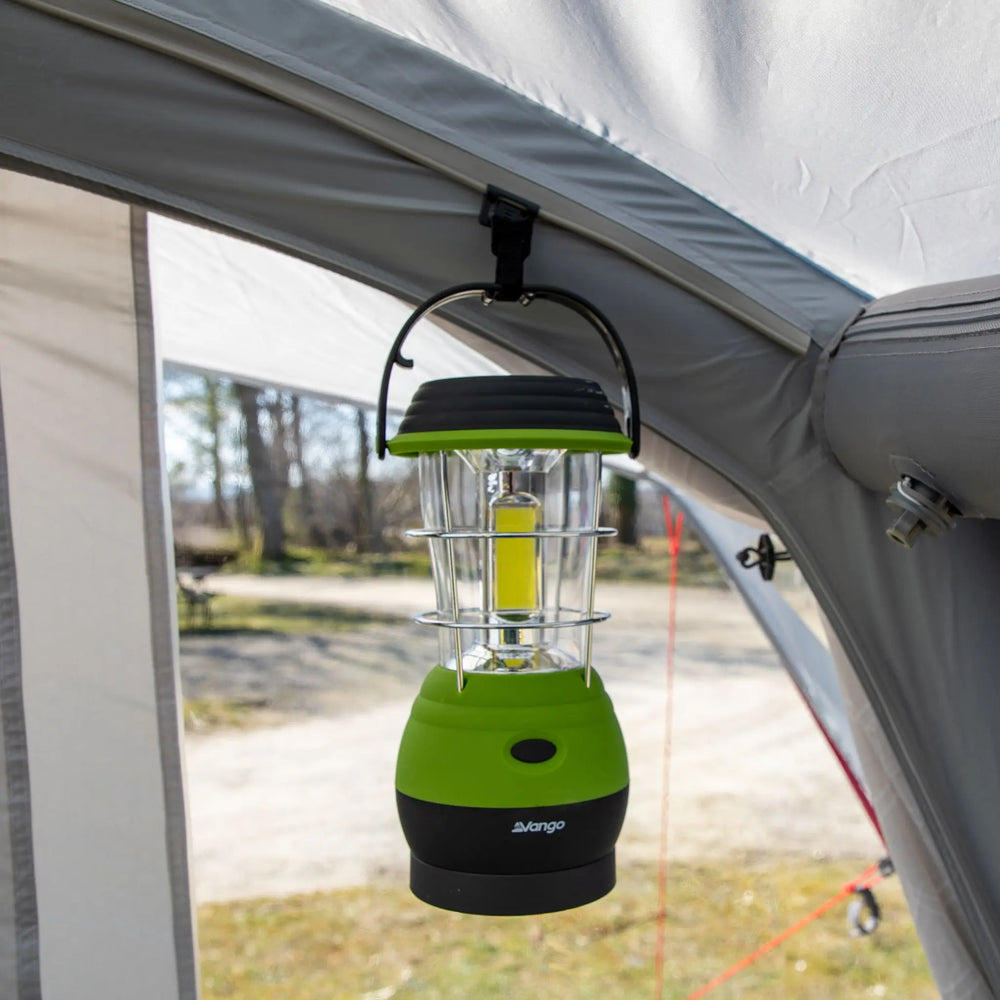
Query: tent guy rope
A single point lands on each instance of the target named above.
(869, 878)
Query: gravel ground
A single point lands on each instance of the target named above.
(307, 802)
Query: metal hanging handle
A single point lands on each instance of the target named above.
(488, 294)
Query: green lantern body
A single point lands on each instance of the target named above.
(512, 779)
(512, 793)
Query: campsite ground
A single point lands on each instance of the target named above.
(300, 870)
(751, 774)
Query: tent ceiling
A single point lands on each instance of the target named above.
(374, 85)
(863, 136)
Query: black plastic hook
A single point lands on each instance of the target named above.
(511, 220)
(763, 557)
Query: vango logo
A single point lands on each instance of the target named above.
(550, 827)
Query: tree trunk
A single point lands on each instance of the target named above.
(268, 487)
(214, 420)
(624, 501)
(244, 518)
(307, 505)
(365, 537)
(278, 452)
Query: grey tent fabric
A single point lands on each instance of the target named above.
(163, 627)
(860, 135)
(925, 878)
(913, 387)
(159, 122)
(789, 116)
(19, 958)
(807, 660)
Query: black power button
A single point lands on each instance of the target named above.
(533, 751)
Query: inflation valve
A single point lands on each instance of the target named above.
(920, 508)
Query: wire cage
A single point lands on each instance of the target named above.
(513, 543)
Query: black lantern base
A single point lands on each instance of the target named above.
(512, 895)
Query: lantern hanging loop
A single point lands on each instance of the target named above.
(488, 294)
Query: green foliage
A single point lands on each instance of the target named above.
(649, 562)
(379, 942)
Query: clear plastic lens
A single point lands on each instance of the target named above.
(515, 586)
(512, 459)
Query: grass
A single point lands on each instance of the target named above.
(378, 942)
(647, 562)
(344, 563)
(231, 615)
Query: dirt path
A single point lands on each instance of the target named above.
(309, 804)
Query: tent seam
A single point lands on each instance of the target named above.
(159, 570)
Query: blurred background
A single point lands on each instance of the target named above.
(299, 661)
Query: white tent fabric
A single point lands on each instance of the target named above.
(862, 138)
(225, 305)
(90, 638)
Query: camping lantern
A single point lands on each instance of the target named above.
(512, 778)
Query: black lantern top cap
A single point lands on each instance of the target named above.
(509, 411)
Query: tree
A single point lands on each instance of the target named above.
(203, 413)
(279, 466)
(307, 505)
(267, 464)
(214, 419)
(624, 501)
(366, 538)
